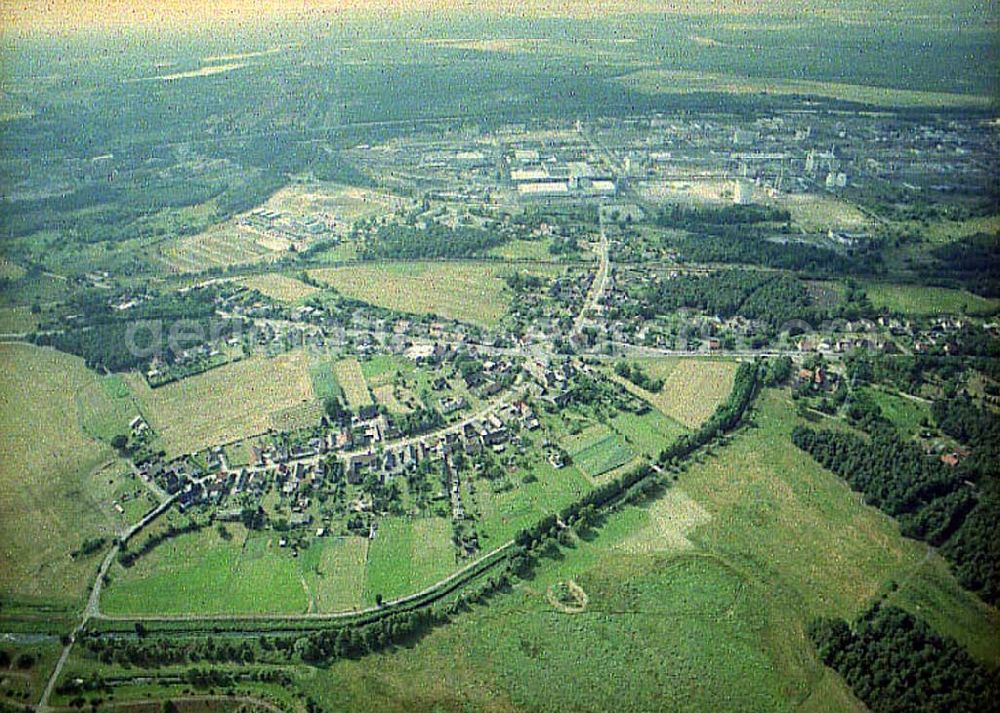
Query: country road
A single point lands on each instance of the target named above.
(93, 607)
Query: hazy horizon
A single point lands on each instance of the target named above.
(62, 17)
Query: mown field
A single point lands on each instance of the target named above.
(601, 455)
(692, 388)
(921, 300)
(279, 287)
(224, 404)
(352, 382)
(698, 600)
(46, 510)
(472, 292)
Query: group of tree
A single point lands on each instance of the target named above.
(975, 547)
(928, 498)
(407, 242)
(120, 340)
(773, 299)
(895, 662)
(691, 217)
(638, 376)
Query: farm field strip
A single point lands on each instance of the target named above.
(352, 381)
(224, 404)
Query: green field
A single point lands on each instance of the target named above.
(663, 631)
(906, 414)
(697, 601)
(106, 408)
(921, 300)
(203, 573)
(523, 250)
(408, 555)
(601, 456)
(224, 404)
(801, 526)
(46, 510)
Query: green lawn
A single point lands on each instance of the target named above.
(905, 414)
(921, 300)
(601, 456)
(203, 573)
(408, 555)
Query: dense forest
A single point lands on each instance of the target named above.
(973, 261)
(895, 662)
(435, 241)
(692, 217)
(975, 546)
(757, 235)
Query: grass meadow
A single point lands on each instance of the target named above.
(922, 300)
(408, 555)
(697, 600)
(46, 510)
